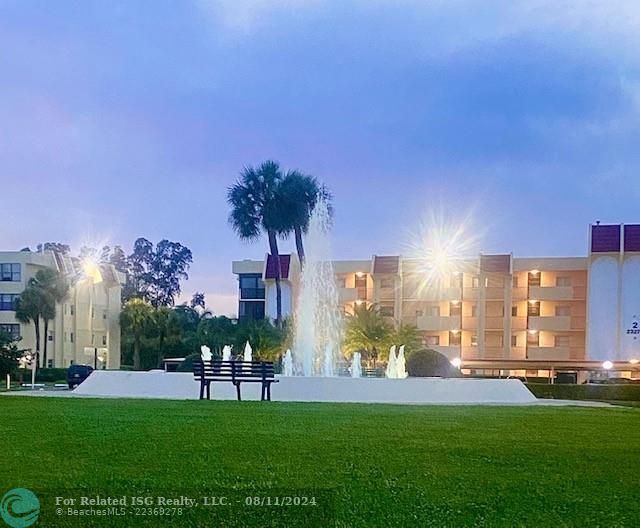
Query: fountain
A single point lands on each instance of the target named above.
(205, 353)
(356, 365)
(248, 352)
(401, 369)
(226, 353)
(318, 323)
(392, 371)
(287, 363)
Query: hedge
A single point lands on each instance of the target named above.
(429, 363)
(43, 375)
(586, 392)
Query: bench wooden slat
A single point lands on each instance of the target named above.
(236, 372)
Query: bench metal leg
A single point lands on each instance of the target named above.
(238, 391)
(202, 390)
(262, 392)
(209, 391)
(269, 391)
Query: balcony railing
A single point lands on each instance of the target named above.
(252, 293)
(437, 323)
(552, 324)
(548, 353)
(557, 293)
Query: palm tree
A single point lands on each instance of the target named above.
(29, 309)
(367, 331)
(55, 289)
(407, 335)
(256, 206)
(299, 194)
(135, 318)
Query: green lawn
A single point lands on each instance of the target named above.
(368, 465)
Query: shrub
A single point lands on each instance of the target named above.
(43, 375)
(187, 364)
(429, 363)
(586, 392)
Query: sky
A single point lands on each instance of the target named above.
(121, 119)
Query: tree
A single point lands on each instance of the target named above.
(55, 289)
(135, 318)
(118, 259)
(58, 247)
(299, 194)
(429, 363)
(368, 332)
(155, 274)
(256, 206)
(215, 332)
(265, 339)
(165, 325)
(29, 307)
(407, 335)
(198, 300)
(9, 355)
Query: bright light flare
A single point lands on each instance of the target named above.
(456, 362)
(443, 249)
(91, 270)
(607, 365)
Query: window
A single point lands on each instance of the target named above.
(386, 311)
(386, 283)
(561, 341)
(104, 340)
(432, 340)
(514, 340)
(533, 309)
(50, 336)
(251, 286)
(534, 278)
(104, 315)
(252, 310)
(474, 310)
(475, 282)
(563, 281)
(93, 339)
(93, 313)
(11, 329)
(50, 363)
(474, 340)
(455, 309)
(563, 310)
(72, 309)
(71, 337)
(342, 282)
(8, 301)
(434, 310)
(514, 282)
(454, 338)
(10, 273)
(514, 311)
(361, 287)
(533, 339)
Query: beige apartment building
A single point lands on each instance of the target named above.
(86, 329)
(498, 314)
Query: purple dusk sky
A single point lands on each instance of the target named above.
(121, 119)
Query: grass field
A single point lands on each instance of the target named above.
(368, 465)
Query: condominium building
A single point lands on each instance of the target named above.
(86, 328)
(496, 313)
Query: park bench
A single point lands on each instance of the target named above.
(236, 372)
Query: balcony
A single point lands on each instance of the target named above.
(557, 293)
(493, 352)
(387, 294)
(518, 353)
(548, 353)
(470, 323)
(493, 293)
(494, 323)
(347, 295)
(519, 294)
(436, 323)
(449, 352)
(560, 323)
(518, 323)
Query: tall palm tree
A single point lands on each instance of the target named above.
(366, 330)
(55, 289)
(135, 318)
(256, 206)
(299, 194)
(29, 310)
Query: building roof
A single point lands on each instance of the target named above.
(386, 264)
(270, 269)
(632, 237)
(605, 238)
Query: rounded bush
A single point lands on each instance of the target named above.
(187, 364)
(428, 363)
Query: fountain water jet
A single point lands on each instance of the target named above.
(226, 353)
(287, 363)
(356, 365)
(392, 370)
(401, 369)
(318, 322)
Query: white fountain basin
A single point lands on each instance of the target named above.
(181, 386)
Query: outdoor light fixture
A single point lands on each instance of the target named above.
(456, 331)
(533, 332)
(607, 365)
(634, 361)
(535, 272)
(456, 362)
(359, 274)
(532, 301)
(455, 303)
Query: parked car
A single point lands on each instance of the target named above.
(76, 374)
